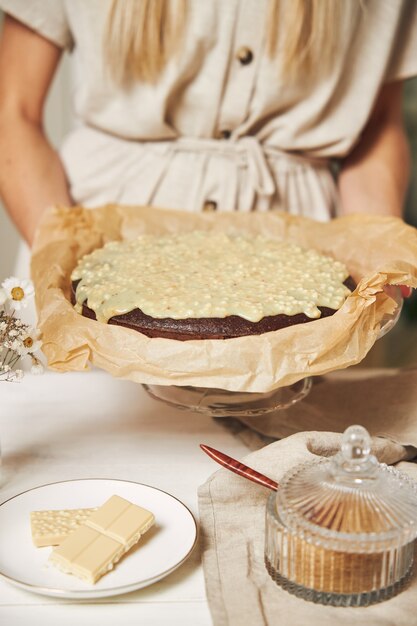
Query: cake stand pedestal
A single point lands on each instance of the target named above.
(222, 403)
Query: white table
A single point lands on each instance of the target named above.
(63, 426)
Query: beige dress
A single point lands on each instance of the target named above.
(220, 129)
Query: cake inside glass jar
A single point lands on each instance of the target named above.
(208, 285)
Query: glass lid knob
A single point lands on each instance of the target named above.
(356, 444)
(355, 456)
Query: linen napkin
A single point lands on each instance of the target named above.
(384, 401)
(232, 511)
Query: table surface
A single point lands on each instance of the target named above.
(89, 425)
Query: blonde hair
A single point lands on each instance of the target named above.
(142, 35)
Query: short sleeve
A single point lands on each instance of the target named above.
(46, 17)
(404, 54)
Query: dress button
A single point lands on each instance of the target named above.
(224, 134)
(244, 55)
(210, 205)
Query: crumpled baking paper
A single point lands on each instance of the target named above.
(376, 250)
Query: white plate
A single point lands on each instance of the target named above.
(161, 550)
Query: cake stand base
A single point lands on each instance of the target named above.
(222, 403)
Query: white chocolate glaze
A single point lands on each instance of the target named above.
(207, 274)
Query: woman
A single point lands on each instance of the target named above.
(238, 105)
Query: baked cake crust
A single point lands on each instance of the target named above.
(205, 327)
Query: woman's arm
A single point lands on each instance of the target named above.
(31, 174)
(375, 176)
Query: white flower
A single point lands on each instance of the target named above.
(3, 296)
(18, 374)
(18, 291)
(13, 344)
(29, 342)
(37, 368)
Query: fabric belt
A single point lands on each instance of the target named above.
(250, 153)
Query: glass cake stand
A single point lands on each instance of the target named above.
(223, 403)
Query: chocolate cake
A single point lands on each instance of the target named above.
(206, 285)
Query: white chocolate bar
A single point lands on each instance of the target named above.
(107, 534)
(121, 520)
(50, 528)
(87, 554)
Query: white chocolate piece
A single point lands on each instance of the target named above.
(120, 519)
(95, 547)
(50, 528)
(87, 554)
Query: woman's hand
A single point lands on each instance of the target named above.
(406, 291)
(391, 290)
(374, 177)
(31, 174)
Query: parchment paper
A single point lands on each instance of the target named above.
(376, 250)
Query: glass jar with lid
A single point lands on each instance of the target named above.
(342, 530)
